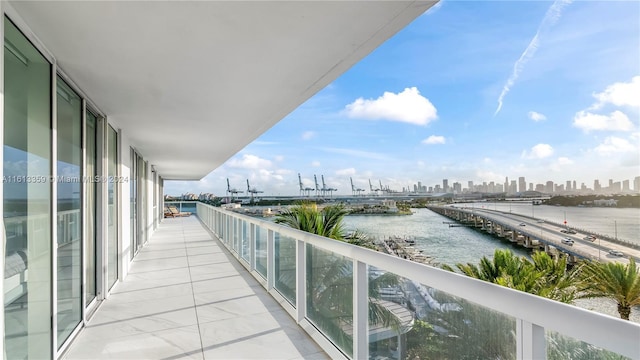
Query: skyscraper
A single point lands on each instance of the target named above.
(522, 184)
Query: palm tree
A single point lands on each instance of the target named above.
(612, 280)
(544, 276)
(327, 222)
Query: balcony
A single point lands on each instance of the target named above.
(187, 297)
(231, 286)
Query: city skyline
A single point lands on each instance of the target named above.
(475, 91)
(378, 188)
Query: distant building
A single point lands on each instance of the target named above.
(549, 187)
(605, 202)
(636, 184)
(522, 184)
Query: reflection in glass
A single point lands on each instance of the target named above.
(112, 224)
(91, 190)
(27, 198)
(564, 347)
(236, 234)
(133, 203)
(69, 266)
(141, 211)
(330, 295)
(245, 237)
(261, 250)
(416, 321)
(285, 266)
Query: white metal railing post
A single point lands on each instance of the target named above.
(360, 310)
(301, 276)
(271, 260)
(530, 341)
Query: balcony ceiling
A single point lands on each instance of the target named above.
(192, 83)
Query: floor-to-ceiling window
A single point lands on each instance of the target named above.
(133, 189)
(68, 205)
(27, 198)
(91, 191)
(112, 204)
(142, 221)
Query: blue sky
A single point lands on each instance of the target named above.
(471, 90)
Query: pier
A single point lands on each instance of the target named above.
(403, 248)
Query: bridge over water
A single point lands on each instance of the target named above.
(538, 234)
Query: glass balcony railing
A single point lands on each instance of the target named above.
(362, 304)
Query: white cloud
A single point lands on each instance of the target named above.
(434, 139)
(315, 163)
(536, 116)
(550, 18)
(614, 144)
(307, 135)
(278, 158)
(564, 161)
(249, 162)
(346, 172)
(408, 106)
(358, 153)
(616, 121)
(561, 163)
(539, 151)
(620, 94)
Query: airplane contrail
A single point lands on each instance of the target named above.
(550, 18)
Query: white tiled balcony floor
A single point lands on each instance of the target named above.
(186, 297)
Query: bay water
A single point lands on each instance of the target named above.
(452, 245)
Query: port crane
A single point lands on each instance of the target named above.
(253, 191)
(317, 187)
(372, 189)
(231, 191)
(325, 189)
(355, 191)
(303, 190)
(382, 188)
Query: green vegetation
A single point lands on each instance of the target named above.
(615, 281)
(544, 276)
(623, 201)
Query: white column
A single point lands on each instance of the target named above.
(360, 310)
(530, 341)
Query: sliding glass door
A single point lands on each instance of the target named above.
(27, 198)
(91, 192)
(112, 204)
(69, 219)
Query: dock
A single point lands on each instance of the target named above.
(403, 247)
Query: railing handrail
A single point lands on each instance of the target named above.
(585, 325)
